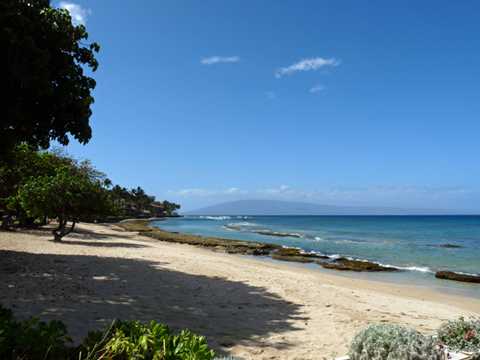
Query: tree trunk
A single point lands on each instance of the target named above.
(22, 217)
(61, 231)
(4, 222)
(5, 218)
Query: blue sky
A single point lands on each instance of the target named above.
(331, 102)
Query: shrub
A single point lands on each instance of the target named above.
(34, 339)
(392, 342)
(132, 340)
(460, 334)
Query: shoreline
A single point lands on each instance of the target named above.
(245, 307)
(420, 279)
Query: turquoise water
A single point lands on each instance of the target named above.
(409, 243)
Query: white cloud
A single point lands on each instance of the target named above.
(317, 88)
(79, 15)
(307, 64)
(207, 192)
(269, 94)
(217, 59)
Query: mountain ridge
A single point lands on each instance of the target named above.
(287, 208)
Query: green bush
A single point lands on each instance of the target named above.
(34, 339)
(460, 334)
(392, 342)
(132, 340)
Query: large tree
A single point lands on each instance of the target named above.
(68, 195)
(27, 162)
(53, 183)
(170, 207)
(44, 93)
(140, 198)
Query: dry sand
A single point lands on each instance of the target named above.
(244, 307)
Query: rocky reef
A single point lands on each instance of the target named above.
(239, 247)
(450, 275)
(214, 244)
(355, 265)
(268, 233)
(292, 259)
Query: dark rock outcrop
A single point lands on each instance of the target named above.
(281, 251)
(292, 259)
(450, 275)
(355, 265)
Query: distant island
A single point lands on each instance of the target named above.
(275, 207)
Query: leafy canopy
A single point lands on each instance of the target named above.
(44, 92)
(53, 183)
(65, 194)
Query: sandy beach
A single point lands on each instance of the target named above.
(244, 307)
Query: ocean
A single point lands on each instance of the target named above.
(413, 244)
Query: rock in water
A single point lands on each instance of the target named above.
(355, 265)
(450, 275)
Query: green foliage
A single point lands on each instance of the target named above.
(32, 339)
(137, 202)
(66, 194)
(37, 340)
(170, 207)
(45, 94)
(27, 162)
(54, 184)
(132, 340)
(460, 334)
(392, 342)
(139, 197)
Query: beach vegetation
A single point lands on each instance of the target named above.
(45, 93)
(65, 195)
(33, 339)
(170, 207)
(392, 342)
(37, 340)
(460, 335)
(139, 204)
(37, 184)
(132, 340)
(28, 162)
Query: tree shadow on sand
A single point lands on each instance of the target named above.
(115, 233)
(89, 292)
